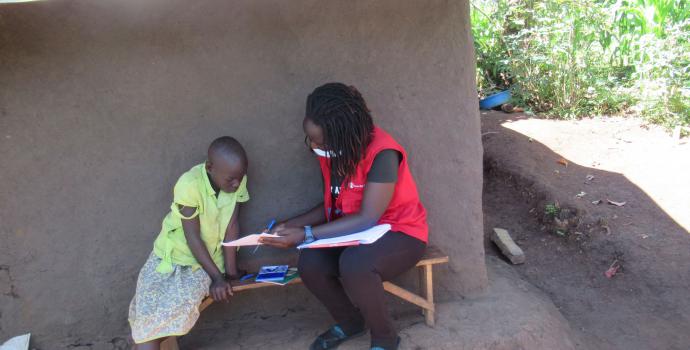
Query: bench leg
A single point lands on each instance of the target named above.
(170, 343)
(205, 303)
(427, 283)
(425, 300)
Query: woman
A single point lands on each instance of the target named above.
(366, 182)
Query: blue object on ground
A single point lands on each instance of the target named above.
(495, 100)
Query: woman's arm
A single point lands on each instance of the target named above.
(232, 232)
(220, 289)
(378, 193)
(377, 196)
(315, 216)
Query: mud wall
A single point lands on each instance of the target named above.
(103, 104)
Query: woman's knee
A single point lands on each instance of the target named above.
(355, 268)
(313, 264)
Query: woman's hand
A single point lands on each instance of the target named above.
(289, 237)
(281, 226)
(220, 289)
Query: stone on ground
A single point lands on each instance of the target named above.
(508, 247)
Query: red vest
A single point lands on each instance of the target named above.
(405, 213)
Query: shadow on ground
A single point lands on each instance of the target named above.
(645, 305)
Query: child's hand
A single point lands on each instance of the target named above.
(289, 237)
(220, 290)
(236, 275)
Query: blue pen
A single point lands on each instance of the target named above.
(270, 225)
(268, 228)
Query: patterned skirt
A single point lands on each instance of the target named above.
(166, 304)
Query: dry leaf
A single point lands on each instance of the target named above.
(613, 268)
(618, 204)
(563, 162)
(581, 194)
(596, 202)
(612, 271)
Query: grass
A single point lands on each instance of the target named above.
(568, 58)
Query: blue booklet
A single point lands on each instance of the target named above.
(273, 274)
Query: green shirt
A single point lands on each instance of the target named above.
(194, 190)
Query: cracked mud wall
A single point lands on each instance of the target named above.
(104, 104)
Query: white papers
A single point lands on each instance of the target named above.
(365, 237)
(248, 240)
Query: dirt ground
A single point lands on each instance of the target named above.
(512, 314)
(534, 166)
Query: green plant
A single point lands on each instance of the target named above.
(493, 71)
(568, 58)
(551, 209)
(664, 79)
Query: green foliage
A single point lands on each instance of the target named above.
(571, 58)
(664, 86)
(551, 209)
(493, 70)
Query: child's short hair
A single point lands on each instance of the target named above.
(227, 146)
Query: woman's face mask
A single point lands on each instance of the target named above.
(315, 140)
(321, 153)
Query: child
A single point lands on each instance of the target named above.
(188, 261)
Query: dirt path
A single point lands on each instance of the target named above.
(512, 314)
(646, 304)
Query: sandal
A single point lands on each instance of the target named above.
(382, 348)
(333, 337)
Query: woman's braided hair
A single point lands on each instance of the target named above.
(346, 122)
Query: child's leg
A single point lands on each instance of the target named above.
(150, 345)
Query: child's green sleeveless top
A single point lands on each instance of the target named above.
(194, 189)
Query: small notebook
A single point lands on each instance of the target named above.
(273, 273)
(289, 276)
(365, 237)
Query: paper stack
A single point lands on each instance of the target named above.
(365, 237)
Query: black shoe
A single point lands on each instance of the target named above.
(333, 337)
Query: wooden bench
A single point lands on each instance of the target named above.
(425, 298)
